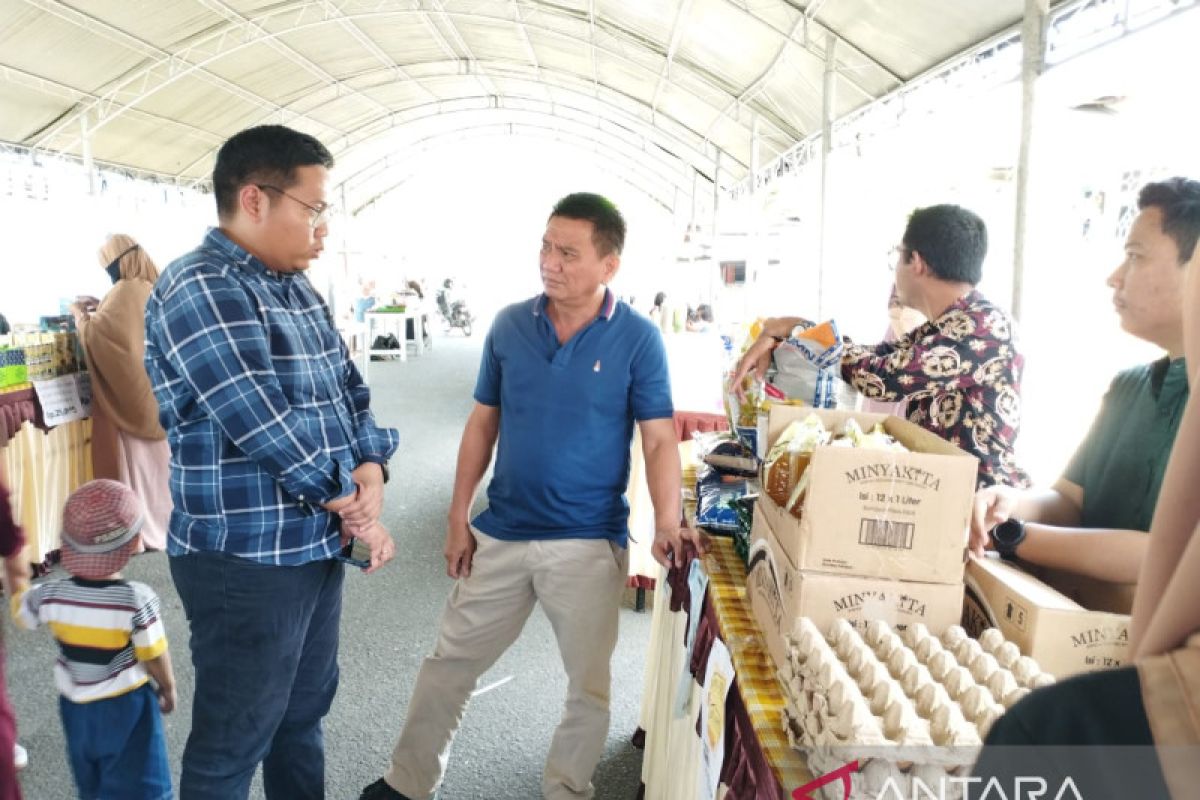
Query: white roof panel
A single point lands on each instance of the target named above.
(163, 83)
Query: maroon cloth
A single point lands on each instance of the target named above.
(640, 582)
(12, 538)
(11, 541)
(689, 422)
(10, 789)
(745, 770)
(17, 408)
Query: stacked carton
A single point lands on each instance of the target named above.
(1064, 636)
(879, 535)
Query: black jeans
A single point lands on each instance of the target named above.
(264, 646)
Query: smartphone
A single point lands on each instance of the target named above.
(356, 553)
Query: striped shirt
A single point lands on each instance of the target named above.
(265, 413)
(104, 630)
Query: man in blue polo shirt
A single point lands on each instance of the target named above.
(564, 378)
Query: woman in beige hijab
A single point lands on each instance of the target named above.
(127, 442)
(1132, 731)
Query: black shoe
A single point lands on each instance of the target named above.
(379, 790)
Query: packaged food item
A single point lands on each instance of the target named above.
(808, 367)
(715, 497)
(727, 454)
(784, 465)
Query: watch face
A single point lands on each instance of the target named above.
(1009, 532)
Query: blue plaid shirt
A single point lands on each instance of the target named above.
(265, 413)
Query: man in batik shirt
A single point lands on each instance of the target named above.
(959, 373)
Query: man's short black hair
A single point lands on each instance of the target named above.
(267, 154)
(951, 239)
(608, 226)
(1179, 201)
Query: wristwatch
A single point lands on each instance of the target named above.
(1007, 537)
(387, 474)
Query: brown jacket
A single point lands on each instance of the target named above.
(113, 341)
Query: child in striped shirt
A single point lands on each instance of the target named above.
(111, 644)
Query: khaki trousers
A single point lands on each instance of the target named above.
(578, 583)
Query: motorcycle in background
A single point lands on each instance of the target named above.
(453, 311)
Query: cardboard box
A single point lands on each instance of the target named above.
(780, 593)
(1091, 593)
(877, 513)
(1054, 630)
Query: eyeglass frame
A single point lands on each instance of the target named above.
(320, 215)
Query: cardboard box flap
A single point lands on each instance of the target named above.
(1026, 586)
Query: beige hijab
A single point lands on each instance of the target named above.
(1165, 629)
(113, 340)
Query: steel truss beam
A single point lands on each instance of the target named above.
(131, 91)
(636, 164)
(696, 151)
(200, 52)
(984, 65)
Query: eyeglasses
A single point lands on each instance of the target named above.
(895, 256)
(317, 215)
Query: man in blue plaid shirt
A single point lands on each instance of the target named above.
(276, 461)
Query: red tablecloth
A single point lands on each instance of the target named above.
(17, 408)
(689, 422)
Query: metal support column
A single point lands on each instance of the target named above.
(1033, 61)
(85, 140)
(828, 101)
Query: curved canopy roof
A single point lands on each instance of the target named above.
(665, 88)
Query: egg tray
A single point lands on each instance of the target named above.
(911, 700)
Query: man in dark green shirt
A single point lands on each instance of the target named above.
(1095, 518)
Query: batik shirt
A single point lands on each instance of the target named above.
(960, 376)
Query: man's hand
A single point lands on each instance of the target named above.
(668, 545)
(380, 541)
(166, 698)
(367, 506)
(755, 360)
(993, 505)
(460, 549)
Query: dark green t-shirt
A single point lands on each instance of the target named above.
(1120, 463)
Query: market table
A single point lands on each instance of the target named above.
(396, 323)
(43, 468)
(759, 764)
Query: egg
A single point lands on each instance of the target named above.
(990, 639)
(983, 666)
(957, 682)
(940, 665)
(967, 650)
(1001, 683)
(1013, 697)
(1025, 670)
(900, 660)
(1007, 654)
(914, 633)
(952, 636)
(875, 631)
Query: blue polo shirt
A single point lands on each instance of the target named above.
(566, 419)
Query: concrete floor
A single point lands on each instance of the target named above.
(388, 625)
